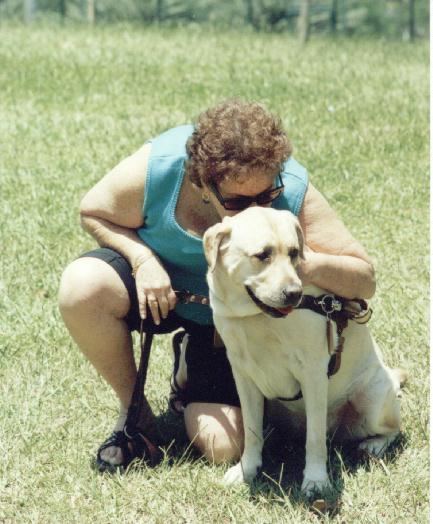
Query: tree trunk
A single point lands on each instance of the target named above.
(29, 11)
(304, 21)
(159, 8)
(249, 8)
(333, 18)
(91, 11)
(412, 26)
(62, 9)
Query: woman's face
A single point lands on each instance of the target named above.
(248, 186)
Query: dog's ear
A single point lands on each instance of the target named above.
(300, 239)
(212, 240)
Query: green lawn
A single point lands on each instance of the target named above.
(73, 102)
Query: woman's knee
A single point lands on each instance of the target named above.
(216, 430)
(88, 284)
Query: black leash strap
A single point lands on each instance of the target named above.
(137, 399)
(131, 427)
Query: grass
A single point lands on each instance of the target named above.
(73, 102)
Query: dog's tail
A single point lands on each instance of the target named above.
(402, 375)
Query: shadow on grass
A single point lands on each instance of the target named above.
(173, 439)
(283, 464)
(284, 461)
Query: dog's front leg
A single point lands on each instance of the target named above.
(315, 392)
(252, 402)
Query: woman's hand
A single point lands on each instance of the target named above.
(154, 290)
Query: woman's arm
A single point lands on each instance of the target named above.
(334, 259)
(111, 211)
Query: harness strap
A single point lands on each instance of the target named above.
(186, 297)
(340, 310)
(335, 360)
(298, 396)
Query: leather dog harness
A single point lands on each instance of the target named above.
(335, 308)
(339, 310)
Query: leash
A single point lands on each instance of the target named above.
(131, 429)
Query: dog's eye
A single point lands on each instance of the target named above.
(264, 255)
(294, 253)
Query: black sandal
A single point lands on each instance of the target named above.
(177, 396)
(131, 440)
(136, 446)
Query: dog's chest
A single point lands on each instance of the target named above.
(265, 353)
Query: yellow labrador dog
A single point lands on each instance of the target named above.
(252, 280)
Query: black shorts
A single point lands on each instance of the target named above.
(210, 378)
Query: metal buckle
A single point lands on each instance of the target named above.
(363, 316)
(329, 304)
(182, 296)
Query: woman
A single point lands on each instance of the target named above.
(149, 214)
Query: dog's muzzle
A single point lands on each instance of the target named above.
(295, 298)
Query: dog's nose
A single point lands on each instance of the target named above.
(292, 295)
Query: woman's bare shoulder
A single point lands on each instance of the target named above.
(118, 197)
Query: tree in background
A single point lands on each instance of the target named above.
(407, 19)
(333, 17)
(91, 11)
(29, 10)
(304, 21)
(412, 28)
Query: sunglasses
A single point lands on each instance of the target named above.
(242, 202)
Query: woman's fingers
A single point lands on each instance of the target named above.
(153, 304)
(163, 306)
(142, 303)
(159, 306)
(154, 291)
(172, 299)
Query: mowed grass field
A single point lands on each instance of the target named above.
(75, 101)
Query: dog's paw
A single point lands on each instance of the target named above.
(239, 475)
(374, 446)
(234, 476)
(313, 486)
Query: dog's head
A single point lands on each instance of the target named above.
(255, 253)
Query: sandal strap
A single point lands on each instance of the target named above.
(141, 448)
(117, 439)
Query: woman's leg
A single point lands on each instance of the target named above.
(216, 430)
(213, 418)
(93, 302)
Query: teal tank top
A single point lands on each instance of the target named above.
(180, 252)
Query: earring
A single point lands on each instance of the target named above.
(205, 198)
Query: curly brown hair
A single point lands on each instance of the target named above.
(233, 139)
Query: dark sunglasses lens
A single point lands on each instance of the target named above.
(236, 204)
(270, 196)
